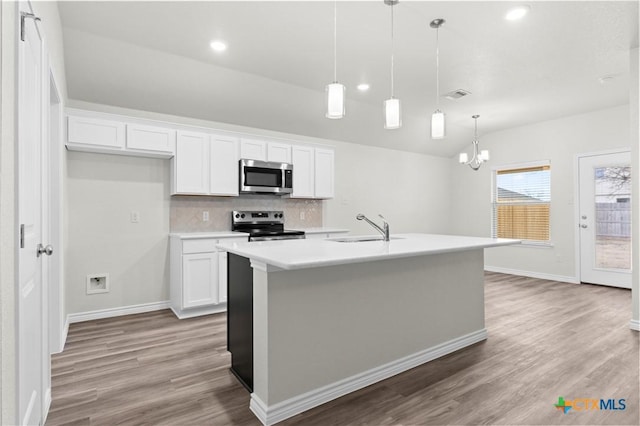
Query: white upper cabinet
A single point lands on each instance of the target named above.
(324, 173)
(95, 133)
(253, 149)
(279, 152)
(151, 138)
(224, 166)
(90, 132)
(302, 159)
(191, 164)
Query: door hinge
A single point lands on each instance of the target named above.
(23, 16)
(22, 235)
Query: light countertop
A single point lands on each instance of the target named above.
(321, 230)
(198, 235)
(301, 254)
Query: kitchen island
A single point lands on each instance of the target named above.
(312, 320)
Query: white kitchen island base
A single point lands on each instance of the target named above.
(321, 333)
(310, 321)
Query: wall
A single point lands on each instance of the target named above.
(559, 141)
(102, 190)
(634, 115)
(410, 190)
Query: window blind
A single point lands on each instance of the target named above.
(522, 202)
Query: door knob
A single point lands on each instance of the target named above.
(583, 225)
(48, 250)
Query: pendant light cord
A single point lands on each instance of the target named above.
(438, 68)
(392, 51)
(335, 43)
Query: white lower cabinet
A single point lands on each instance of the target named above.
(200, 279)
(198, 275)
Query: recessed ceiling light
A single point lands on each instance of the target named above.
(218, 46)
(363, 87)
(517, 13)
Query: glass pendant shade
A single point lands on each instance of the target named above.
(463, 158)
(335, 100)
(392, 114)
(484, 155)
(437, 125)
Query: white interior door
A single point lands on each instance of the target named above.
(30, 291)
(605, 219)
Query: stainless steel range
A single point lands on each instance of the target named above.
(263, 225)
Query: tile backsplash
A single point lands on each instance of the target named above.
(187, 211)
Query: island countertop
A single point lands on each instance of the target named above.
(302, 254)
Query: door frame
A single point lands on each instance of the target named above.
(55, 115)
(576, 201)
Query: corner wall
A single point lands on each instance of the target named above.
(559, 141)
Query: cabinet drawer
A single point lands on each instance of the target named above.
(199, 246)
(150, 138)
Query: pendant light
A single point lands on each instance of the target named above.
(479, 157)
(392, 118)
(335, 90)
(438, 128)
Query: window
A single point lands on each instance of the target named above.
(521, 202)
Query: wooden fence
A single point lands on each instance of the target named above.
(613, 220)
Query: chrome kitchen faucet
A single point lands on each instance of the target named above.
(384, 231)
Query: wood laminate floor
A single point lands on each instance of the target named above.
(546, 339)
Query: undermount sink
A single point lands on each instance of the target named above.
(360, 239)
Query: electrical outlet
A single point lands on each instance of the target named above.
(134, 216)
(97, 283)
(205, 216)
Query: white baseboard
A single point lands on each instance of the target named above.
(634, 325)
(275, 413)
(63, 337)
(116, 312)
(530, 274)
(197, 312)
(47, 405)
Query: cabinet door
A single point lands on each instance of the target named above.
(302, 159)
(200, 280)
(150, 138)
(95, 132)
(324, 173)
(224, 166)
(280, 152)
(192, 163)
(253, 149)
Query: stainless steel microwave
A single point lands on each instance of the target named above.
(265, 177)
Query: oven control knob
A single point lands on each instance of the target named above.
(237, 215)
(280, 215)
(242, 215)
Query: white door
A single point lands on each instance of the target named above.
(605, 219)
(30, 292)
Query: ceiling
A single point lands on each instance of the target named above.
(155, 56)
